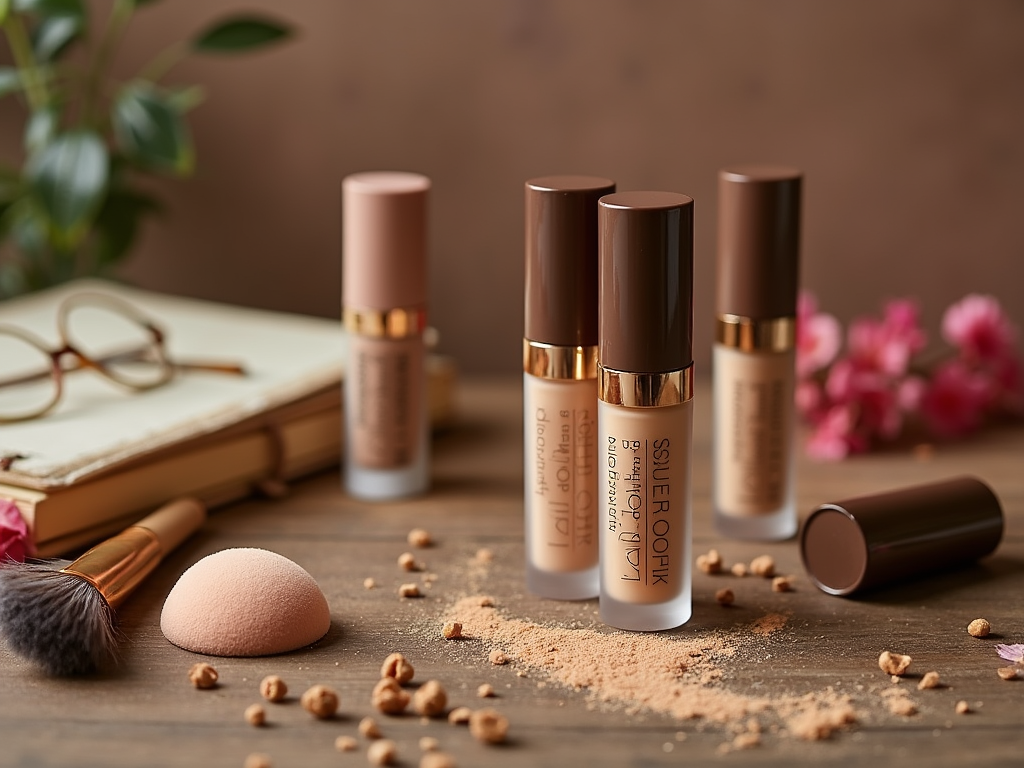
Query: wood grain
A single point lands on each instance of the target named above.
(144, 712)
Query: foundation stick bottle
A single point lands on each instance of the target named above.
(754, 351)
(560, 385)
(384, 295)
(645, 386)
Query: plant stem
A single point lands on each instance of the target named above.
(120, 15)
(21, 49)
(163, 62)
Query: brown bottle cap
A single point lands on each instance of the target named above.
(873, 540)
(384, 240)
(758, 241)
(646, 282)
(561, 259)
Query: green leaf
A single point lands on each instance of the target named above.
(241, 33)
(5, 7)
(40, 129)
(46, 8)
(53, 33)
(117, 224)
(186, 99)
(10, 79)
(68, 178)
(140, 3)
(150, 131)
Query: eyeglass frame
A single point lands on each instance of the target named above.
(168, 368)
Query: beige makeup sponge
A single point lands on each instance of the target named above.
(245, 602)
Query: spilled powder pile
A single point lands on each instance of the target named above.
(675, 676)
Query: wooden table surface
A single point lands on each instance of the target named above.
(145, 712)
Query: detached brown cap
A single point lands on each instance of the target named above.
(646, 282)
(561, 259)
(869, 541)
(758, 241)
(384, 240)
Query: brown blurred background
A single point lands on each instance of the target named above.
(907, 118)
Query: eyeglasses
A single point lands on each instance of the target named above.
(97, 331)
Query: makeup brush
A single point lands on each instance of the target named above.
(64, 619)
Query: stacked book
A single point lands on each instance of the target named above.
(105, 454)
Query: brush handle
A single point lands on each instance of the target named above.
(118, 565)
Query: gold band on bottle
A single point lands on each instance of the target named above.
(747, 335)
(645, 390)
(547, 361)
(399, 323)
(116, 566)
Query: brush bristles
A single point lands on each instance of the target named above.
(54, 619)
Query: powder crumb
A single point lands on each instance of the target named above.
(409, 590)
(769, 623)
(485, 691)
(725, 597)
(963, 708)
(979, 628)
(498, 657)
(896, 679)
(746, 741)
(388, 697)
(429, 744)
(459, 715)
(369, 729)
(407, 562)
(483, 556)
(763, 565)
(382, 752)
(452, 630)
(369, 583)
(782, 584)
(273, 688)
(893, 663)
(739, 569)
(711, 562)
(486, 601)
(437, 760)
(929, 680)
(819, 722)
(430, 699)
(255, 715)
(902, 706)
(488, 726)
(1007, 673)
(203, 676)
(419, 538)
(320, 701)
(398, 667)
(258, 760)
(429, 578)
(346, 744)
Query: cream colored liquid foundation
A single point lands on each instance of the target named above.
(754, 352)
(560, 386)
(645, 380)
(384, 297)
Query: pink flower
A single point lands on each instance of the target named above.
(954, 402)
(887, 345)
(873, 394)
(835, 436)
(979, 328)
(810, 399)
(15, 542)
(818, 336)
(1014, 653)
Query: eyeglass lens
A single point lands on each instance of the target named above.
(27, 385)
(121, 344)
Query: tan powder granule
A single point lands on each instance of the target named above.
(459, 715)
(203, 676)
(893, 663)
(963, 708)
(1007, 673)
(437, 760)
(345, 744)
(369, 583)
(818, 723)
(901, 706)
(488, 726)
(483, 556)
(739, 569)
(398, 667)
(485, 691)
(764, 566)
(409, 590)
(498, 657)
(929, 680)
(485, 601)
(639, 670)
(782, 584)
(273, 688)
(320, 701)
(382, 752)
(407, 561)
(746, 741)
(419, 538)
(430, 699)
(369, 729)
(710, 563)
(258, 760)
(452, 630)
(979, 628)
(429, 744)
(725, 597)
(388, 697)
(255, 715)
